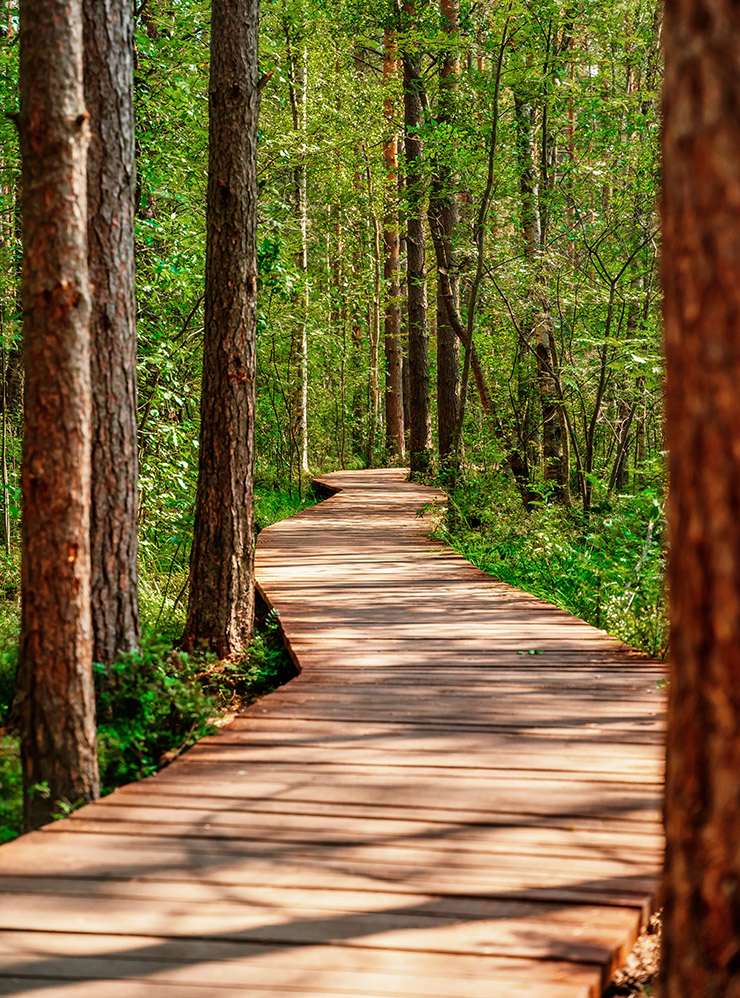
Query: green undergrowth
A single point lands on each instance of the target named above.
(154, 703)
(607, 568)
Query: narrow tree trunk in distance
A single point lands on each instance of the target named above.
(55, 689)
(109, 39)
(538, 325)
(298, 86)
(404, 293)
(555, 442)
(700, 262)
(374, 325)
(444, 205)
(420, 439)
(394, 425)
(221, 608)
(4, 481)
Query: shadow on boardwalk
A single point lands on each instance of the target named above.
(427, 810)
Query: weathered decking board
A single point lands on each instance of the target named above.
(428, 811)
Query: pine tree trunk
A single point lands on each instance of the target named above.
(700, 259)
(445, 207)
(298, 88)
(538, 325)
(109, 39)
(56, 701)
(394, 426)
(403, 288)
(374, 326)
(220, 613)
(420, 439)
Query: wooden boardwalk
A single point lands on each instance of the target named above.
(459, 797)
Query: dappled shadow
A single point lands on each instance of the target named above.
(463, 785)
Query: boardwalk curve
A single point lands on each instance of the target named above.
(458, 797)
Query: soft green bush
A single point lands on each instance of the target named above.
(151, 707)
(607, 568)
(11, 797)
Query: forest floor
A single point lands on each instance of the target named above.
(639, 975)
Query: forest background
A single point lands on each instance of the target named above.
(532, 168)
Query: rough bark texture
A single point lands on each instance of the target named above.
(420, 438)
(221, 607)
(701, 262)
(445, 207)
(538, 325)
(374, 329)
(298, 87)
(109, 40)
(555, 444)
(56, 701)
(525, 124)
(394, 427)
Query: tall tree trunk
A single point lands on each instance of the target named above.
(700, 254)
(538, 326)
(4, 479)
(420, 440)
(403, 288)
(221, 608)
(394, 425)
(444, 205)
(56, 701)
(109, 80)
(298, 88)
(374, 326)
(555, 442)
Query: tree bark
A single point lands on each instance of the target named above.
(394, 425)
(444, 205)
(420, 439)
(55, 689)
(221, 608)
(109, 40)
(298, 88)
(700, 263)
(374, 327)
(539, 327)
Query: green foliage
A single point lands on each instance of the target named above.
(266, 666)
(151, 707)
(607, 568)
(11, 798)
(9, 625)
(273, 504)
(154, 703)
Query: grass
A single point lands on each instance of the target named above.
(607, 569)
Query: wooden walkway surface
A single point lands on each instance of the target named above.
(429, 810)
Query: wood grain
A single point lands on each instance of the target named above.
(458, 797)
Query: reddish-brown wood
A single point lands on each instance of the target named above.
(56, 708)
(427, 810)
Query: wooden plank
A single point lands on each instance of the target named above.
(163, 812)
(205, 956)
(152, 986)
(388, 791)
(246, 974)
(500, 765)
(195, 795)
(580, 934)
(467, 849)
(110, 856)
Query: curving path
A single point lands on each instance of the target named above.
(457, 798)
